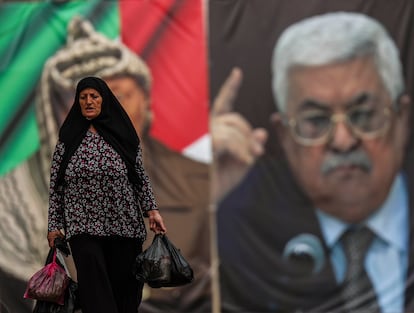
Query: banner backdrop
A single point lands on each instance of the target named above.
(170, 36)
(279, 250)
(190, 50)
(45, 48)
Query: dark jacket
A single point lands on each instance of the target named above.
(255, 222)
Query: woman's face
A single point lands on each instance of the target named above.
(90, 101)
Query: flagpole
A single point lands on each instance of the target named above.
(214, 260)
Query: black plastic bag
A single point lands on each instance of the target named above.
(181, 271)
(162, 265)
(153, 265)
(62, 245)
(71, 303)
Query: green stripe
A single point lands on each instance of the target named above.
(29, 34)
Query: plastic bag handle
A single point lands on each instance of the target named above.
(54, 256)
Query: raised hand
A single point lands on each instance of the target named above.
(236, 145)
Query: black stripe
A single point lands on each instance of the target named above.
(161, 28)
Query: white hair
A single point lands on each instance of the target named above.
(331, 38)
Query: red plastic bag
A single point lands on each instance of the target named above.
(48, 284)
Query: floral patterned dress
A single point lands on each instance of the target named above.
(97, 197)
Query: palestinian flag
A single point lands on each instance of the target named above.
(168, 34)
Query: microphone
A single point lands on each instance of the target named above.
(305, 251)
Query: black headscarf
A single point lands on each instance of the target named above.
(113, 124)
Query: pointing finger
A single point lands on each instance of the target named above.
(228, 92)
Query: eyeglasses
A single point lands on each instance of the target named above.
(314, 127)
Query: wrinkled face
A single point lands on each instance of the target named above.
(133, 100)
(90, 101)
(348, 176)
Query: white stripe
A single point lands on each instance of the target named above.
(200, 149)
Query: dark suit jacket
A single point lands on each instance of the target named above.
(255, 222)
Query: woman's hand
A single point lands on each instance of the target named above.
(156, 222)
(52, 235)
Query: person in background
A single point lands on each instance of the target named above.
(339, 187)
(180, 184)
(99, 193)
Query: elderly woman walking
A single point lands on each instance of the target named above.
(99, 194)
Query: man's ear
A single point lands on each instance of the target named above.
(149, 116)
(405, 104)
(404, 109)
(276, 120)
(404, 118)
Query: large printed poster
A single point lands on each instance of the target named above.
(46, 48)
(259, 182)
(319, 218)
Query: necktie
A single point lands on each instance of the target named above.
(358, 293)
